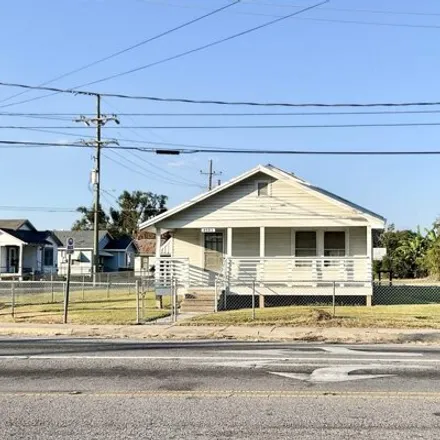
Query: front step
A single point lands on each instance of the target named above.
(200, 300)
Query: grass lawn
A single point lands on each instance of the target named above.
(406, 316)
(98, 307)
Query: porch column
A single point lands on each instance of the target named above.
(370, 264)
(229, 242)
(262, 241)
(157, 268)
(20, 262)
(158, 243)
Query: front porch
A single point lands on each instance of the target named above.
(275, 261)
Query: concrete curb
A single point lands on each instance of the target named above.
(243, 333)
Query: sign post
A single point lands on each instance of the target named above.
(69, 250)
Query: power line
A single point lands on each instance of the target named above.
(361, 22)
(183, 54)
(148, 173)
(36, 209)
(236, 114)
(127, 49)
(241, 127)
(369, 11)
(220, 102)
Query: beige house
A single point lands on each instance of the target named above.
(270, 228)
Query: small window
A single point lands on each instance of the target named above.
(263, 188)
(334, 243)
(48, 256)
(305, 244)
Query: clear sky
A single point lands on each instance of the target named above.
(326, 55)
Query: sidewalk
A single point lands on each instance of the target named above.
(242, 333)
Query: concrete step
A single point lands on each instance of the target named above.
(203, 297)
(197, 309)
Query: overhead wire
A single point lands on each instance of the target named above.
(127, 49)
(183, 54)
(232, 127)
(335, 20)
(227, 103)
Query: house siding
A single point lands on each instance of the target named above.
(287, 205)
(357, 242)
(246, 242)
(278, 242)
(187, 244)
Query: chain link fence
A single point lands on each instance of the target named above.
(111, 302)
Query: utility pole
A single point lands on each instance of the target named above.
(100, 120)
(211, 173)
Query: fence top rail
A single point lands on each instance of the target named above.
(289, 258)
(291, 282)
(79, 283)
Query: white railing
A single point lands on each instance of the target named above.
(291, 269)
(169, 269)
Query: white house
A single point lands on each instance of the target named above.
(114, 254)
(24, 251)
(272, 228)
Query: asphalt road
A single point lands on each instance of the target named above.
(105, 389)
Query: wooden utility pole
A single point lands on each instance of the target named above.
(99, 120)
(211, 173)
(97, 189)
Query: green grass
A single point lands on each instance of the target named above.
(98, 307)
(403, 316)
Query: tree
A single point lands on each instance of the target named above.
(86, 222)
(133, 209)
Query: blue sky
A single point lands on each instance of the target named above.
(300, 60)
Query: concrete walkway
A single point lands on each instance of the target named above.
(245, 333)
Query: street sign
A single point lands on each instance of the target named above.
(70, 246)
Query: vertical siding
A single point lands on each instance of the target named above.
(278, 242)
(358, 241)
(246, 242)
(187, 244)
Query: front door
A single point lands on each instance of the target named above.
(214, 250)
(12, 260)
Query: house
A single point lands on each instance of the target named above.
(145, 260)
(24, 251)
(115, 254)
(270, 229)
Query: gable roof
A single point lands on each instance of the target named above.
(271, 171)
(30, 237)
(15, 224)
(83, 239)
(119, 243)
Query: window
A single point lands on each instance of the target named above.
(305, 244)
(334, 243)
(263, 188)
(48, 256)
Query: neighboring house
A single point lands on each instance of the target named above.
(270, 227)
(114, 254)
(25, 251)
(145, 260)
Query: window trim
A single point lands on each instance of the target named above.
(296, 244)
(269, 188)
(44, 256)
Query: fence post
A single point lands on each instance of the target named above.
(83, 288)
(216, 295)
(224, 297)
(51, 287)
(108, 286)
(13, 299)
(334, 298)
(138, 310)
(253, 300)
(174, 299)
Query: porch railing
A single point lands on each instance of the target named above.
(293, 269)
(266, 270)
